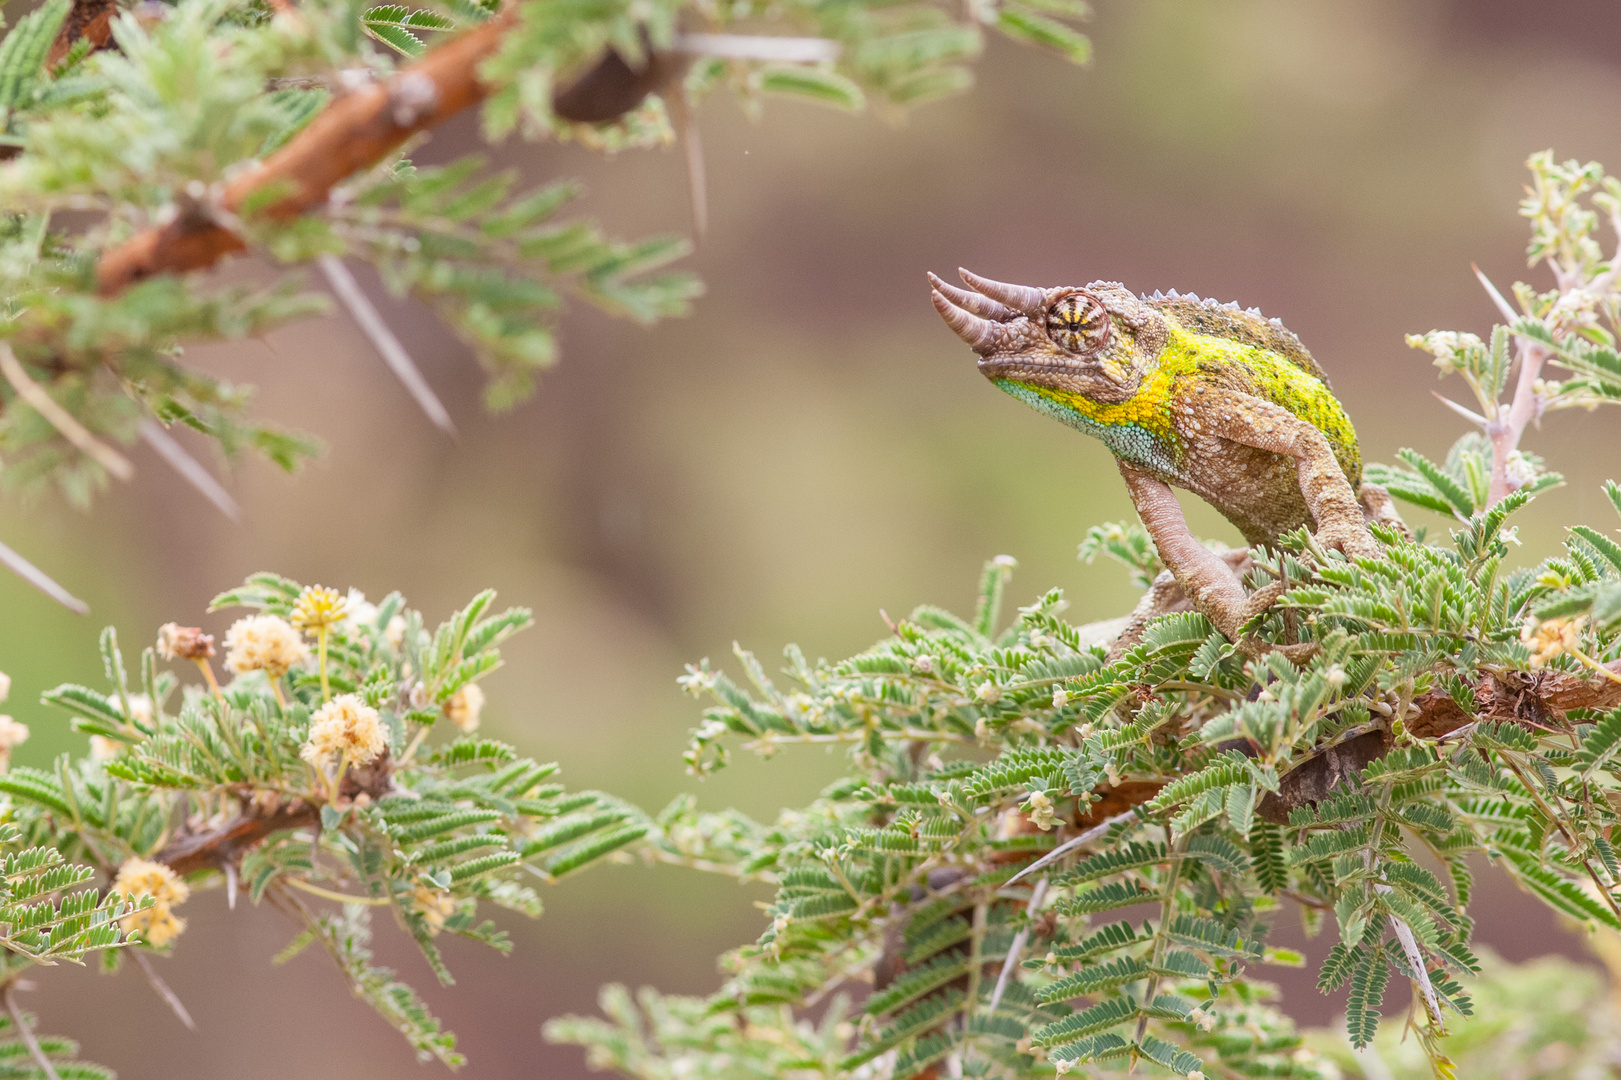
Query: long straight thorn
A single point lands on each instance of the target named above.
(1467, 413)
(190, 469)
(41, 581)
(171, 998)
(383, 340)
(20, 1022)
(1503, 305)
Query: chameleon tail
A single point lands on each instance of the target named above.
(1378, 506)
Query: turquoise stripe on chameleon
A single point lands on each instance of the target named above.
(1129, 442)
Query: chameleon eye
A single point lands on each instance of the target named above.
(1078, 323)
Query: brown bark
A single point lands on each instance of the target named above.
(191, 852)
(92, 19)
(355, 131)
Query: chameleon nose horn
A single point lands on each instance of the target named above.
(981, 334)
(1024, 299)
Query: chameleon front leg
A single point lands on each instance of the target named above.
(1206, 579)
(1252, 421)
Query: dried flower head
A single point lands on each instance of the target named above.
(176, 642)
(318, 608)
(1549, 638)
(12, 734)
(464, 707)
(345, 728)
(139, 878)
(264, 643)
(435, 906)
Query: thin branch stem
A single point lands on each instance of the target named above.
(340, 897)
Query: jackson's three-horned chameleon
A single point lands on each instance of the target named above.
(1187, 392)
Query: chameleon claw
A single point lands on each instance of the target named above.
(981, 334)
(1025, 299)
(983, 306)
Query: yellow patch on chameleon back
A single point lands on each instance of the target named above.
(1271, 377)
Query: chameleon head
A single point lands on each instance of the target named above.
(1096, 341)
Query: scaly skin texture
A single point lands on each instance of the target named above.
(1186, 392)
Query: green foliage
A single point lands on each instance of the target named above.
(204, 89)
(430, 831)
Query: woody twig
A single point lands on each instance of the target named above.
(353, 132)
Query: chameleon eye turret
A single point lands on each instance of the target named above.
(1077, 322)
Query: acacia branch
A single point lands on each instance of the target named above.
(352, 133)
(191, 852)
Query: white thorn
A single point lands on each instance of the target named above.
(383, 340)
(1070, 845)
(1503, 306)
(41, 581)
(65, 423)
(1192, 296)
(230, 884)
(1468, 414)
(189, 468)
(790, 50)
(163, 990)
(1157, 295)
(1037, 894)
(1172, 295)
(20, 1022)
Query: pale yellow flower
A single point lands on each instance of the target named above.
(104, 749)
(5, 686)
(345, 728)
(1040, 808)
(139, 878)
(1550, 637)
(140, 708)
(318, 608)
(394, 632)
(12, 733)
(464, 707)
(435, 906)
(264, 643)
(358, 612)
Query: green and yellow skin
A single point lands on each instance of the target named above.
(1188, 393)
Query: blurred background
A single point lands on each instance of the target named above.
(812, 446)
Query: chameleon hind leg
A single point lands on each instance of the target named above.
(1207, 580)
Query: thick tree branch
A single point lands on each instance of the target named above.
(355, 131)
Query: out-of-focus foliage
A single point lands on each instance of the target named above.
(1545, 1019)
(308, 782)
(198, 90)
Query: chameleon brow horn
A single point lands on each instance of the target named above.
(1024, 299)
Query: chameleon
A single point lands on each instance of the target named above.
(1185, 392)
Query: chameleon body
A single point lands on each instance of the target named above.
(1220, 401)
